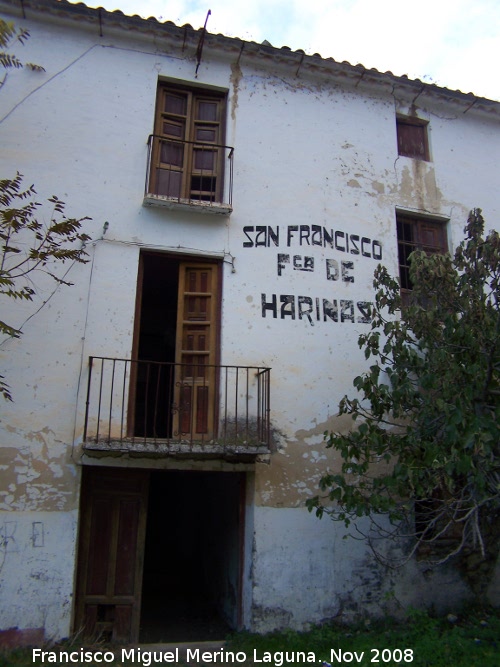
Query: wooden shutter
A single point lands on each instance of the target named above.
(197, 334)
(206, 166)
(431, 237)
(412, 139)
(172, 130)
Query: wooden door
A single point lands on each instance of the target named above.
(197, 314)
(111, 553)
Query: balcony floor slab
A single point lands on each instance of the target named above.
(157, 448)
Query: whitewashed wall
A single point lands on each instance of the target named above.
(310, 154)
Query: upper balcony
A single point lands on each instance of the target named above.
(185, 410)
(189, 175)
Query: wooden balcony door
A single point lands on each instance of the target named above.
(195, 386)
(173, 383)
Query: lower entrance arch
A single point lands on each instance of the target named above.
(176, 539)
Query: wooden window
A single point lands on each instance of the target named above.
(417, 234)
(412, 138)
(188, 155)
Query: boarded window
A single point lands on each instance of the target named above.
(412, 138)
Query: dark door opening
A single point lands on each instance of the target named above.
(192, 566)
(155, 341)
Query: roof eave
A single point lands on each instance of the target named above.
(299, 62)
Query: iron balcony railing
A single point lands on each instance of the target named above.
(155, 405)
(189, 172)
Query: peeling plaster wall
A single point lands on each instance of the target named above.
(316, 166)
(37, 551)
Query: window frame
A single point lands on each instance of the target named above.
(413, 232)
(186, 165)
(404, 124)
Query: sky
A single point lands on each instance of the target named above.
(452, 43)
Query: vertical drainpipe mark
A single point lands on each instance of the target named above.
(235, 79)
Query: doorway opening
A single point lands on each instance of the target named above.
(160, 555)
(173, 389)
(192, 560)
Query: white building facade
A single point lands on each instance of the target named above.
(169, 407)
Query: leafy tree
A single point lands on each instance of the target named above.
(425, 452)
(29, 246)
